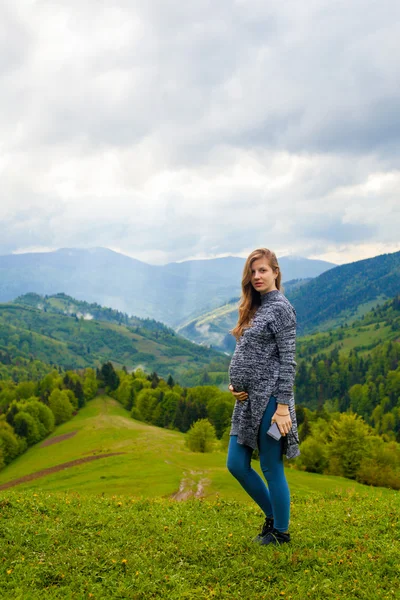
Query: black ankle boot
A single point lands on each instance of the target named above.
(266, 528)
(275, 537)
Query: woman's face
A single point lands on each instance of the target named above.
(262, 276)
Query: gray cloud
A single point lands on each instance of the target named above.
(170, 130)
(332, 229)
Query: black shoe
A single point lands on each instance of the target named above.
(266, 528)
(275, 537)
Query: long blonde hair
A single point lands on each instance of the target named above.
(250, 299)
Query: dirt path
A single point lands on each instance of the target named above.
(55, 469)
(189, 488)
(58, 438)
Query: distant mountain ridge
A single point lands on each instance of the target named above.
(172, 293)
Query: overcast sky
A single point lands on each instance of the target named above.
(170, 130)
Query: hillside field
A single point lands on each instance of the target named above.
(154, 463)
(114, 528)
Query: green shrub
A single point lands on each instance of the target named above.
(135, 414)
(60, 406)
(382, 468)
(146, 402)
(201, 436)
(41, 413)
(11, 444)
(313, 457)
(25, 425)
(351, 441)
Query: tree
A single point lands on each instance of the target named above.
(49, 383)
(219, 412)
(25, 390)
(109, 376)
(154, 378)
(169, 405)
(41, 413)
(90, 384)
(304, 429)
(60, 406)
(12, 446)
(382, 467)
(350, 443)
(146, 402)
(25, 425)
(123, 393)
(201, 436)
(79, 393)
(313, 457)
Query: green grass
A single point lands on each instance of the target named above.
(154, 463)
(345, 545)
(111, 528)
(362, 335)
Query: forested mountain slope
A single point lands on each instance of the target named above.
(379, 325)
(345, 292)
(72, 342)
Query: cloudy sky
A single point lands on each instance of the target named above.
(170, 130)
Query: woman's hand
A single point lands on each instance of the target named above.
(241, 396)
(283, 420)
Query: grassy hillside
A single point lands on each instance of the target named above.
(113, 528)
(344, 546)
(379, 325)
(63, 304)
(73, 342)
(155, 461)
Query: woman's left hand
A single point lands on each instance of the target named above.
(284, 422)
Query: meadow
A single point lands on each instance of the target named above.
(154, 462)
(114, 528)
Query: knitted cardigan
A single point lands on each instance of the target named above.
(263, 365)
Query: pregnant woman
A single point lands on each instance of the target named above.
(262, 372)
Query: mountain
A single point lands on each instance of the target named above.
(331, 299)
(45, 334)
(172, 293)
(372, 329)
(346, 292)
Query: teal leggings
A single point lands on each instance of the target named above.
(274, 501)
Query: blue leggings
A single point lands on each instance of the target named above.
(274, 501)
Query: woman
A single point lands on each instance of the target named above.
(262, 372)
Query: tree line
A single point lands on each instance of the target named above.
(30, 410)
(344, 444)
(368, 385)
(335, 438)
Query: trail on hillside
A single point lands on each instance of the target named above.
(55, 469)
(58, 438)
(189, 488)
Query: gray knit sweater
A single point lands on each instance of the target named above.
(263, 364)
